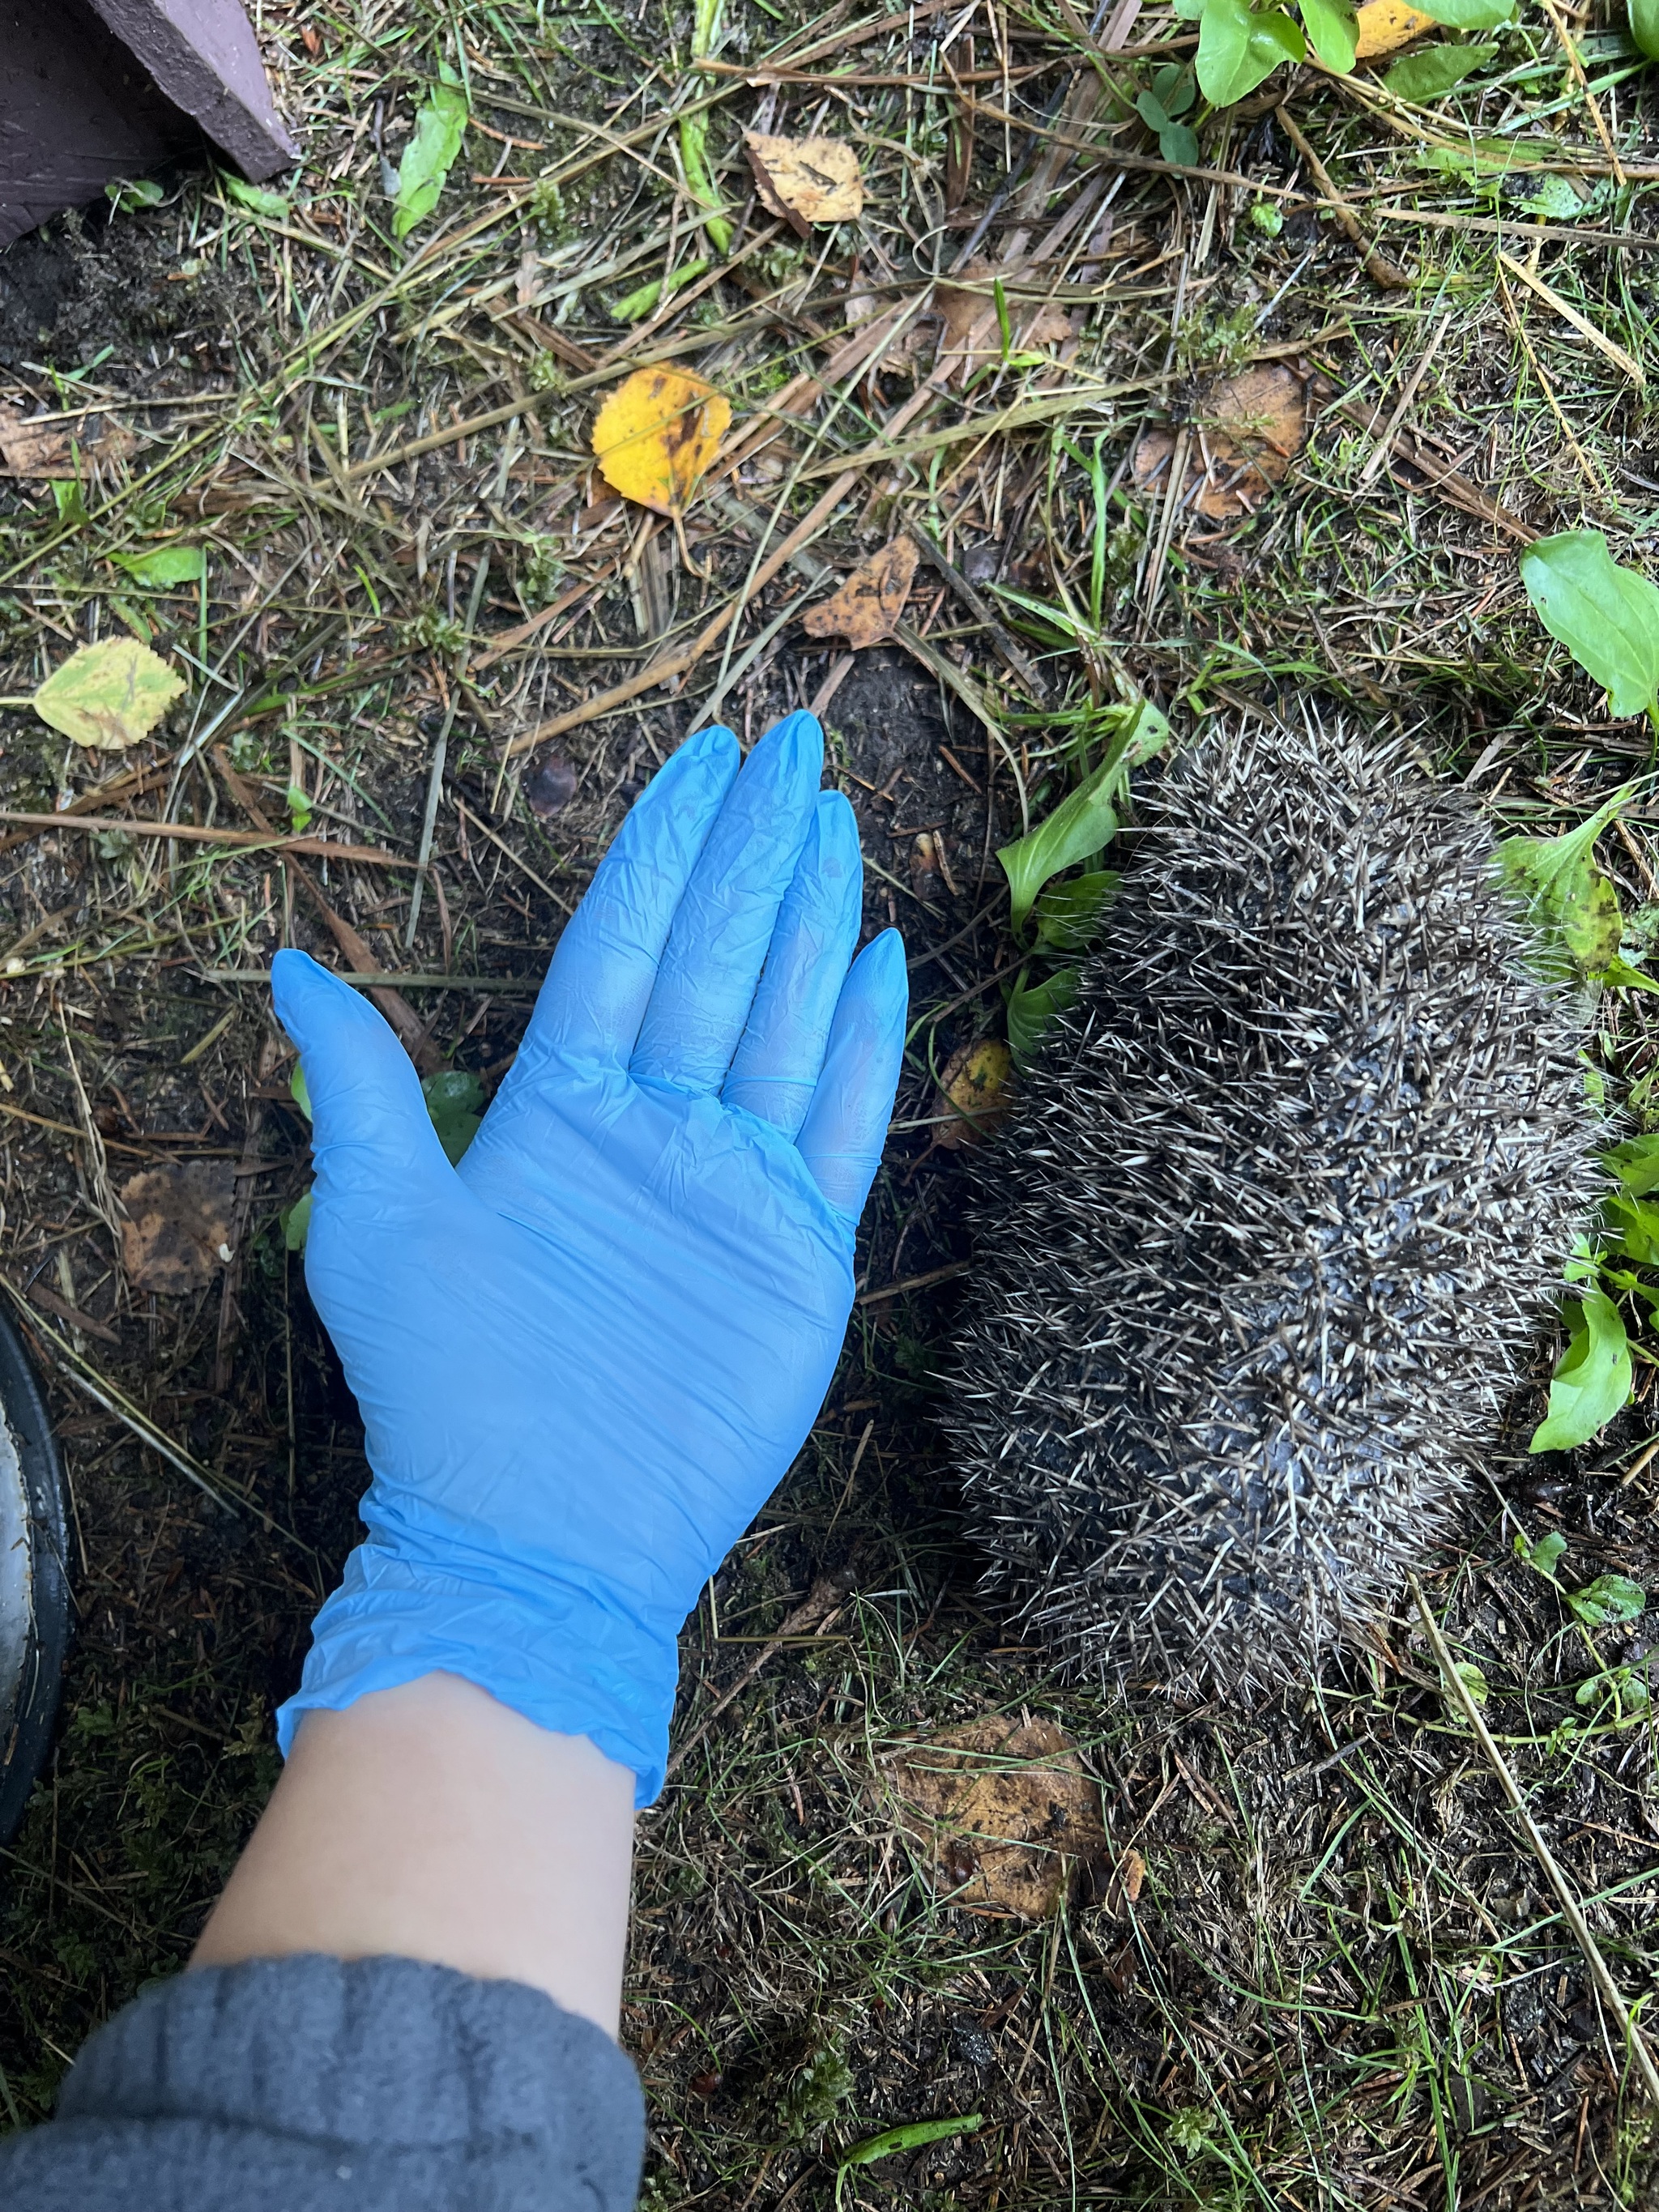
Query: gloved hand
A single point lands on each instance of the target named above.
(586, 1357)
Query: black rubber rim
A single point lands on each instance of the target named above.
(26, 1732)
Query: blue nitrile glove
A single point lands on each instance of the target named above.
(586, 1357)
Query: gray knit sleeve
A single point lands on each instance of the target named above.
(292, 2085)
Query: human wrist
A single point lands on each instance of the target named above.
(557, 1651)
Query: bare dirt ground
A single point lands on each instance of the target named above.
(1298, 1956)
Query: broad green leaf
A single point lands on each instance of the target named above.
(439, 130)
(129, 194)
(168, 566)
(1608, 1599)
(1636, 1165)
(1592, 1378)
(1086, 821)
(1566, 896)
(1557, 199)
(1432, 72)
(299, 1091)
(1634, 1229)
(1068, 914)
(1237, 47)
(254, 198)
(1173, 87)
(1473, 1680)
(1542, 1556)
(295, 1222)
(454, 1100)
(108, 696)
(1180, 145)
(1468, 15)
(1644, 27)
(1623, 1684)
(1152, 113)
(1032, 1007)
(1333, 33)
(1607, 617)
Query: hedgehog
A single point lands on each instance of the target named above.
(1264, 1245)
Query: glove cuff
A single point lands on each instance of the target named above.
(571, 1663)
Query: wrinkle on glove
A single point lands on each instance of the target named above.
(377, 2085)
(586, 1357)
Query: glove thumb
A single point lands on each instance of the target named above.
(370, 1121)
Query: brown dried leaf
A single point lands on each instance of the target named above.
(868, 604)
(29, 447)
(974, 1091)
(805, 180)
(1009, 1812)
(1248, 430)
(178, 1230)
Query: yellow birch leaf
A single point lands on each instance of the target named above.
(1385, 25)
(108, 696)
(656, 435)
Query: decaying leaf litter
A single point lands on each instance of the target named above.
(1177, 425)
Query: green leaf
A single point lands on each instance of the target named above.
(1032, 1007)
(1173, 88)
(1634, 1229)
(1608, 1599)
(1153, 113)
(1086, 821)
(1541, 1556)
(1473, 1680)
(1468, 15)
(454, 1100)
(1558, 199)
(1607, 617)
(168, 566)
(299, 1091)
(1644, 27)
(108, 696)
(1565, 895)
(1068, 914)
(254, 198)
(1180, 145)
(295, 1222)
(1623, 1684)
(1433, 72)
(131, 193)
(439, 130)
(1636, 1165)
(1332, 31)
(912, 2136)
(1237, 47)
(1592, 1379)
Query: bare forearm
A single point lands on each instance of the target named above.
(431, 1822)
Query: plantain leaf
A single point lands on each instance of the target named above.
(1469, 14)
(1592, 1378)
(1032, 1006)
(1607, 617)
(1087, 820)
(439, 130)
(169, 565)
(1068, 914)
(1636, 1163)
(1566, 896)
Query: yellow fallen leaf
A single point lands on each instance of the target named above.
(805, 180)
(108, 696)
(1386, 24)
(974, 1090)
(656, 435)
(870, 602)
